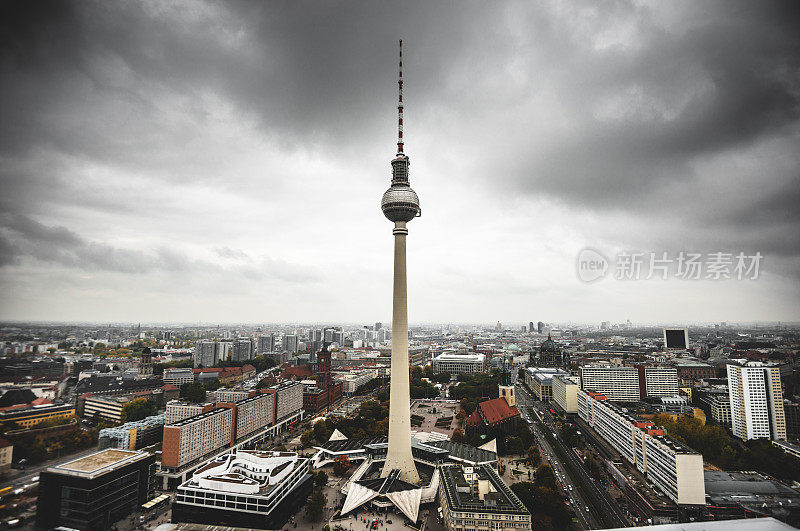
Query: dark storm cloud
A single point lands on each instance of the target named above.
(600, 107)
(24, 238)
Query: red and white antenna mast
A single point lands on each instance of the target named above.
(400, 104)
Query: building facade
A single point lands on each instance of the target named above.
(245, 489)
(756, 400)
(565, 392)
(476, 498)
(95, 491)
(629, 384)
(178, 376)
(197, 438)
(456, 364)
(676, 470)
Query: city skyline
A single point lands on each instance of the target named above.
(177, 162)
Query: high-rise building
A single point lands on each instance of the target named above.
(540, 327)
(242, 350)
(222, 350)
(289, 343)
(530, 327)
(756, 402)
(378, 326)
(266, 344)
(400, 205)
(205, 354)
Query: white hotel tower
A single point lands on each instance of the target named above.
(400, 204)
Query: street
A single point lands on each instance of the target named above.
(585, 518)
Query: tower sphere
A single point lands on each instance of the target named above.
(400, 203)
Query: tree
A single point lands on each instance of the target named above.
(341, 465)
(320, 478)
(137, 410)
(458, 436)
(534, 457)
(193, 392)
(316, 504)
(544, 477)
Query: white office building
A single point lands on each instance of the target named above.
(756, 401)
(565, 389)
(457, 364)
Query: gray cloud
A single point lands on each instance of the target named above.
(167, 125)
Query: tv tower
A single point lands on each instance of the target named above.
(400, 204)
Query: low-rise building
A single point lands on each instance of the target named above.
(29, 415)
(133, 435)
(178, 376)
(247, 489)
(95, 491)
(540, 380)
(475, 497)
(565, 389)
(456, 364)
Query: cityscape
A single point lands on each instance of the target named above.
(203, 324)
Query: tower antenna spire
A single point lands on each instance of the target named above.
(400, 103)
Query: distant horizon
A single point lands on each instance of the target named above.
(514, 326)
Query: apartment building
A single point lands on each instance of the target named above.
(288, 399)
(253, 414)
(178, 410)
(619, 384)
(756, 401)
(629, 384)
(672, 468)
(231, 395)
(658, 381)
(198, 437)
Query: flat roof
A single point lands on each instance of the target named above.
(99, 461)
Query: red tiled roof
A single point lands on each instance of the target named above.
(4, 443)
(497, 409)
(247, 368)
(298, 371)
(169, 387)
(86, 395)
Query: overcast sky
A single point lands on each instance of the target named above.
(224, 161)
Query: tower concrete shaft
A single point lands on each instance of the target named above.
(399, 452)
